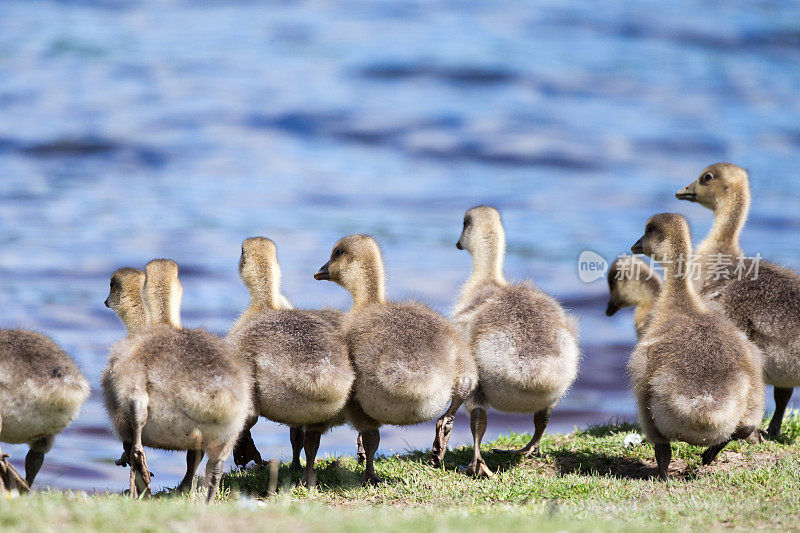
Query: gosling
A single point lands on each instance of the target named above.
(762, 299)
(524, 344)
(409, 361)
(174, 388)
(696, 377)
(245, 450)
(632, 283)
(41, 392)
(125, 299)
(302, 373)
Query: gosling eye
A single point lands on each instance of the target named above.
(467, 222)
(650, 228)
(705, 178)
(337, 253)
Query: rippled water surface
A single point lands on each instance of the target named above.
(133, 130)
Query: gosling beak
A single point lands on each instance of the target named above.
(687, 193)
(323, 273)
(638, 248)
(612, 308)
(106, 303)
(458, 245)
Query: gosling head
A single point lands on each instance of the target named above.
(628, 284)
(714, 184)
(258, 266)
(666, 238)
(357, 265)
(162, 293)
(483, 229)
(484, 238)
(125, 297)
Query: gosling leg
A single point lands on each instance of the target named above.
(540, 421)
(213, 474)
(477, 423)
(311, 445)
(297, 438)
(193, 458)
(360, 453)
(444, 426)
(35, 457)
(372, 440)
(663, 458)
(782, 397)
(140, 474)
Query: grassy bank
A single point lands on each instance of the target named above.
(585, 481)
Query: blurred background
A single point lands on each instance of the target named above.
(135, 129)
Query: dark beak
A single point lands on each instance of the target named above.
(687, 193)
(612, 308)
(323, 273)
(638, 248)
(458, 245)
(106, 303)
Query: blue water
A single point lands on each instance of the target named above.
(134, 130)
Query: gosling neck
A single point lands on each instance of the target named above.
(370, 287)
(730, 216)
(266, 293)
(163, 309)
(641, 317)
(677, 289)
(487, 263)
(132, 316)
(648, 292)
(644, 299)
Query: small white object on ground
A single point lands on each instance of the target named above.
(631, 440)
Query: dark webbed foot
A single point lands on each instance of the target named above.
(10, 478)
(527, 451)
(711, 453)
(309, 478)
(371, 480)
(245, 450)
(477, 468)
(444, 427)
(139, 473)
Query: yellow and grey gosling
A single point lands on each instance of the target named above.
(524, 344)
(696, 377)
(41, 392)
(765, 302)
(302, 375)
(173, 388)
(409, 361)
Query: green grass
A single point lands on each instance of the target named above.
(585, 481)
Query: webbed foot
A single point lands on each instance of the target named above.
(477, 468)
